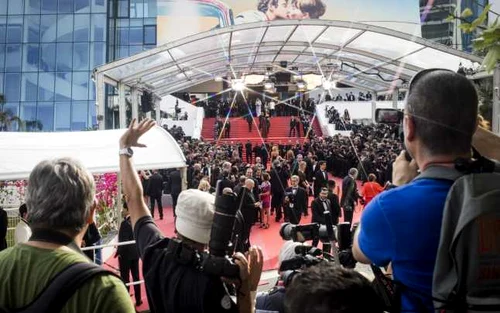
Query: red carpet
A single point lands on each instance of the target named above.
(268, 239)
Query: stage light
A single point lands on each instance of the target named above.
(218, 79)
(328, 84)
(238, 84)
(301, 85)
(254, 79)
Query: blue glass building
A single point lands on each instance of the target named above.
(48, 49)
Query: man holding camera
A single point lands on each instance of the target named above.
(319, 206)
(402, 227)
(295, 201)
(171, 271)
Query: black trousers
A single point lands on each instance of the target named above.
(128, 267)
(157, 199)
(327, 247)
(293, 215)
(348, 214)
(228, 132)
(249, 157)
(292, 130)
(276, 204)
(175, 196)
(250, 126)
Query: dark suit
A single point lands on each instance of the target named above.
(248, 210)
(334, 207)
(3, 229)
(320, 181)
(297, 205)
(155, 191)
(350, 197)
(128, 258)
(175, 187)
(248, 148)
(279, 182)
(318, 208)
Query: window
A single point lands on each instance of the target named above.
(3, 28)
(31, 55)
(65, 6)
(49, 7)
(15, 7)
(13, 59)
(82, 30)
(45, 114)
(12, 84)
(98, 27)
(48, 57)
(32, 28)
(98, 6)
(32, 7)
(29, 87)
(28, 111)
(15, 29)
(97, 53)
(48, 28)
(81, 56)
(62, 116)
(82, 6)
(136, 9)
(3, 7)
(2, 59)
(64, 59)
(123, 36)
(135, 35)
(65, 28)
(63, 86)
(80, 85)
(79, 117)
(150, 34)
(150, 8)
(123, 8)
(46, 86)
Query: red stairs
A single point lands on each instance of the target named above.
(278, 132)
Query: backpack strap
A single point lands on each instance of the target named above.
(62, 287)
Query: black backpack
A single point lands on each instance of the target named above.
(58, 291)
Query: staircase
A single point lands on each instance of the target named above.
(278, 132)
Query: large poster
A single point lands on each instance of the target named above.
(182, 18)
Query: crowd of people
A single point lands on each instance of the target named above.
(400, 228)
(351, 97)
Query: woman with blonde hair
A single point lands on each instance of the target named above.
(204, 185)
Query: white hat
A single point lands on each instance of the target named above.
(195, 214)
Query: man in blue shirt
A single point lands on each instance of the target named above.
(401, 227)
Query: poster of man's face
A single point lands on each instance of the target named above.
(181, 18)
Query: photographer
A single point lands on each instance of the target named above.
(295, 201)
(402, 226)
(173, 286)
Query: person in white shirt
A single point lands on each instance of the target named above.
(23, 231)
(258, 107)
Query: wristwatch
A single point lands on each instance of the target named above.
(126, 151)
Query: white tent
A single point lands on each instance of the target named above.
(97, 150)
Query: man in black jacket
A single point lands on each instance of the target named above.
(295, 201)
(293, 125)
(279, 182)
(319, 206)
(175, 187)
(350, 195)
(248, 149)
(155, 191)
(334, 202)
(128, 258)
(320, 178)
(249, 207)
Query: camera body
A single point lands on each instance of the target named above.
(301, 233)
(221, 247)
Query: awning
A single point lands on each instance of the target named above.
(359, 55)
(97, 150)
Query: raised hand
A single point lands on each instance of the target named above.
(135, 131)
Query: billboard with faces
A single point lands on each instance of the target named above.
(181, 18)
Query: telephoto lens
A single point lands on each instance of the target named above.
(226, 206)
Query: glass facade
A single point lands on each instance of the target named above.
(48, 49)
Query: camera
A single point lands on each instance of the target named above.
(301, 233)
(218, 262)
(307, 256)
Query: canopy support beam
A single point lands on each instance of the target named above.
(122, 106)
(100, 101)
(496, 101)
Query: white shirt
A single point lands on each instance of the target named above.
(22, 233)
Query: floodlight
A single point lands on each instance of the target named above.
(268, 85)
(218, 79)
(238, 84)
(301, 85)
(328, 84)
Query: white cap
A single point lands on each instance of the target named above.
(195, 214)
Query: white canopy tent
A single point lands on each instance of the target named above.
(97, 150)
